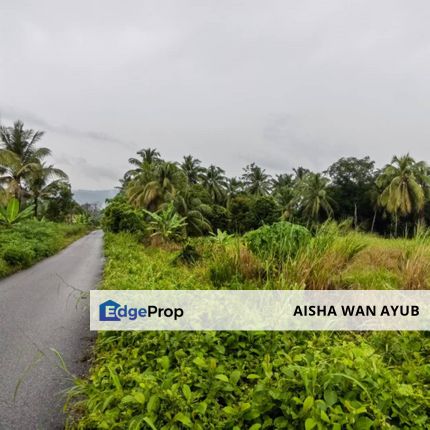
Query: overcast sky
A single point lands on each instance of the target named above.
(282, 83)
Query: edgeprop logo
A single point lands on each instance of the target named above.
(113, 311)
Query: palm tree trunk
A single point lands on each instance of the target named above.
(355, 216)
(36, 206)
(395, 225)
(373, 221)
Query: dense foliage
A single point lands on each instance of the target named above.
(278, 241)
(393, 200)
(30, 241)
(258, 380)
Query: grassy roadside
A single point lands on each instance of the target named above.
(252, 380)
(29, 242)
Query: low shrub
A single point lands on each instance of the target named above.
(278, 241)
(18, 254)
(119, 215)
(27, 242)
(188, 254)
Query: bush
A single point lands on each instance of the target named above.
(17, 254)
(27, 242)
(119, 215)
(188, 254)
(277, 241)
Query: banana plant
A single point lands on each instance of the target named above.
(11, 213)
(166, 223)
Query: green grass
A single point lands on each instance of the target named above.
(256, 380)
(28, 242)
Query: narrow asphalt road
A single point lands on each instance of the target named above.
(43, 309)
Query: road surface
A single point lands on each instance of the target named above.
(41, 309)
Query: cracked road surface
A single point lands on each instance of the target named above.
(43, 310)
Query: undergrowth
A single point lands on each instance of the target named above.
(259, 380)
(23, 244)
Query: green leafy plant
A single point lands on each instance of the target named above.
(278, 241)
(29, 241)
(166, 225)
(11, 214)
(119, 215)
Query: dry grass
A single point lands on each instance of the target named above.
(414, 268)
(247, 264)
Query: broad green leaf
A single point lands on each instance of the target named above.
(140, 397)
(12, 209)
(128, 399)
(330, 397)
(200, 362)
(222, 377)
(201, 409)
(184, 419)
(310, 423)
(187, 392)
(363, 423)
(229, 410)
(153, 403)
(252, 376)
(164, 362)
(325, 417)
(235, 376)
(308, 403)
(150, 423)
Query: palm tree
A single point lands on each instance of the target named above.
(284, 196)
(256, 181)
(18, 156)
(281, 181)
(190, 207)
(148, 158)
(151, 192)
(300, 172)
(233, 188)
(404, 185)
(192, 169)
(215, 182)
(312, 196)
(43, 182)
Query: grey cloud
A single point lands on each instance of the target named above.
(281, 83)
(13, 114)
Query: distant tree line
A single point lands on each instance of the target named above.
(391, 200)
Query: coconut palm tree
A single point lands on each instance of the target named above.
(300, 172)
(149, 157)
(161, 187)
(192, 169)
(190, 207)
(18, 156)
(312, 197)
(281, 181)
(234, 187)
(404, 185)
(43, 182)
(256, 181)
(215, 182)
